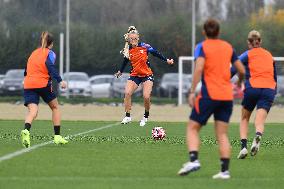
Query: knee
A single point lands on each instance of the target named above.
(245, 116)
(193, 126)
(245, 119)
(146, 97)
(127, 94)
(54, 107)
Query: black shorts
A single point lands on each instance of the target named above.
(31, 96)
(259, 97)
(205, 107)
(139, 80)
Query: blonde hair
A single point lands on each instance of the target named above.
(125, 50)
(254, 38)
(46, 39)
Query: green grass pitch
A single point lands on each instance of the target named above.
(126, 157)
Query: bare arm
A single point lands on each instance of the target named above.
(241, 70)
(199, 67)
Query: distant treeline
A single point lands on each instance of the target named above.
(97, 29)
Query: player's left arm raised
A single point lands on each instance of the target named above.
(156, 53)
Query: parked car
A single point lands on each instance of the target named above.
(238, 92)
(12, 83)
(118, 86)
(1, 83)
(280, 85)
(101, 85)
(79, 84)
(169, 84)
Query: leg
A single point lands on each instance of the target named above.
(193, 143)
(192, 136)
(25, 134)
(130, 87)
(221, 131)
(263, 106)
(251, 96)
(244, 123)
(201, 112)
(147, 89)
(244, 126)
(31, 102)
(222, 116)
(56, 118)
(32, 114)
(49, 97)
(31, 97)
(260, 117)
(249, 102)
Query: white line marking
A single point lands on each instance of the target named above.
(26, 150)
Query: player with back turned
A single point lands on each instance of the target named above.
(213, 58)
(37, 83)
(260, 90)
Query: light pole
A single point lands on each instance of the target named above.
(60, 12)
(67, 44)
(193, 28)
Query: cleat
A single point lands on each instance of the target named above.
(222, 175)
(25, 134)
(189, 167)
(243, 153)
(143, 121)
(126, 120)
(255, 146)
(58, 139)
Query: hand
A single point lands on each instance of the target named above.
(63, 85)
(118, 74)
(191, 99)
(170, 61)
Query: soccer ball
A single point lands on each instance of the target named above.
(158, 133)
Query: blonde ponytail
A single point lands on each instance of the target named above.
(44, 36)
(46, 39)
(125, 50)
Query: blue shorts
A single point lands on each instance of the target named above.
(31, 96)
(259, 97)
(205, 107)
(139, 80)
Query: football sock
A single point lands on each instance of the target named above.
(258, 134)
(57, 129)
(193, 155)
(28, 126)
(127, 114)
(225, 164)
(146, 114)
(243, 143)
